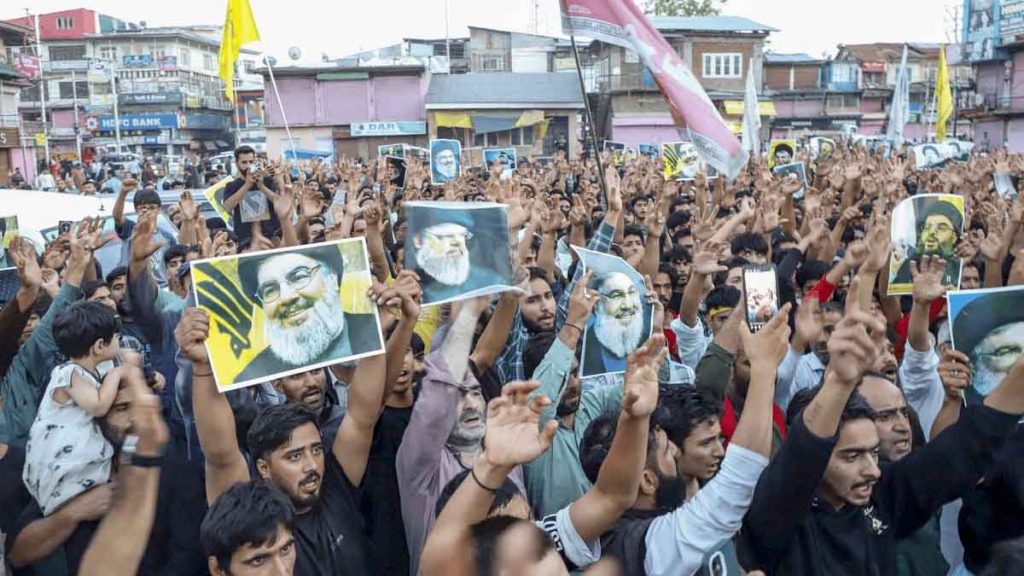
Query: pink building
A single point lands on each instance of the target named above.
(349, 111)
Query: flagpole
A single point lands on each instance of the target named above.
(280, 105)
(590, 122)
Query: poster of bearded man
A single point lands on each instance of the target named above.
(445, 161)
(988, 326)
(286, 311)
(925, 225)
(622, 318)
(459, 249)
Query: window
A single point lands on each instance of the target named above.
(492, 63)
(67, 53)
(158, 52)
(460, 134)
(185, 57)
(489, 139)
(249, 66)
(522, 136)
(108, 52)
(208, 63)
(65, 23)
(723, 65)
(80, 90)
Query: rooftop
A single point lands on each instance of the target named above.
(188, 33)
(504, 90)
(798, 58)
(710, 24)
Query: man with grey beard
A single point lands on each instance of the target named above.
(299, 294)
(442, 257)
(619, 326)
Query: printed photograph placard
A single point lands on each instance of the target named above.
(681, 160)
(395, 150)
(286, 311)
(796, 168)
(930, 155)
(622, 319)
(459, 249)
(988, 326)
(507, 157)
(445, 161)
(781, 152)
(618, 150)
(652, 151)
(926, 224)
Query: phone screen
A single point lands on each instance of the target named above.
(761, 290)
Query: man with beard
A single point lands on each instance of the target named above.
(248, 181)
(445, 429)
(443, 259)
(670, 530)
(312, 390)
(801, 371)
(299, 294)
(287, 449)
(556, 479)
(918, 553)
(824, 506)
(444, 163)
(990, 330)
(938, 233)
(619, 325)
(38, 542)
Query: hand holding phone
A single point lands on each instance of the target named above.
(760, 294)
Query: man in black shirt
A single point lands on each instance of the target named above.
(244, 183)
(287, 450)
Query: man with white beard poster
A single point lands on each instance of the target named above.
(622, 317)
(286, 311)
(988, 326)
(459, 249)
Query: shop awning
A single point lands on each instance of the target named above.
(735, 107)
(484, 123)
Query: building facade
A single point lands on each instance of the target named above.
(169, 99)
(14, 152)
(346, 110)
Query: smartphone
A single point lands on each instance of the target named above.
(761, 294)
(64, 227)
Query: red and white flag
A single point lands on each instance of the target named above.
(620, 22)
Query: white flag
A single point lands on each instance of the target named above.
(899, 110)
(751, 117)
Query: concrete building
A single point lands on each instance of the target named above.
(533, 112)
(993, 46)
(169, 97)
(346, 110)
(794, 84)
(628, 106)
(14, 152)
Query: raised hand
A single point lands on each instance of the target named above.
(581, 302)
(23, 256)
(191, 334)
(927, 275)
(706, 260)
(852, 350)
(513, 433)
(955, 373)
(143, 242)
(640, 385)
(767, 348)
(189, 208)
(879, 246)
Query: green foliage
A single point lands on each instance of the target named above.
(683, 7)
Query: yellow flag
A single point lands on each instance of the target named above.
(239, 30)
(943, 96)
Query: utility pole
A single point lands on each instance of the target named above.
(78, 132)
(117, 116)
(42, 89)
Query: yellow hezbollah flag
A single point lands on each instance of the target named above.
(239, 30)
(943, 96)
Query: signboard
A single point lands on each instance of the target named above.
(388, 128)
(167, 63)
(138, 61)
(1011, 20)
(9, 138)
(872, 67)
(27, 64)
(980, 30)
(151, 98)
(202, 122)
(140, 122)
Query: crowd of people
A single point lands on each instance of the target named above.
(838, 439)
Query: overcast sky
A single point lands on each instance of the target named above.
(342, 27)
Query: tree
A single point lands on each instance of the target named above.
(683, 7)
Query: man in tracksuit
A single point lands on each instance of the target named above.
(825, 506)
